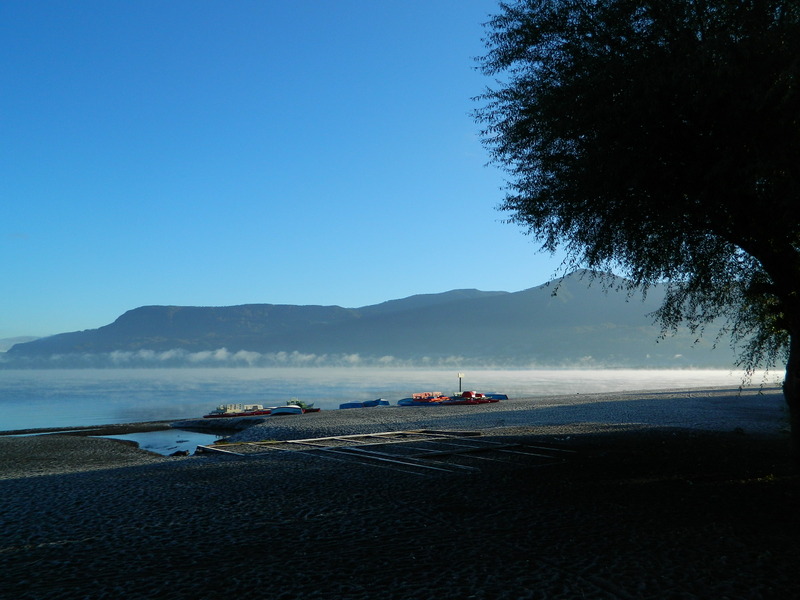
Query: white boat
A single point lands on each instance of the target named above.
(238, 410)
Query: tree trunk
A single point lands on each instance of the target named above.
(791, 392)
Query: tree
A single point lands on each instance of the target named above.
(661, 138)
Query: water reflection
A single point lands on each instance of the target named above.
(167, 442)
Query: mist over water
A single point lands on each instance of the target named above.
(85, 397)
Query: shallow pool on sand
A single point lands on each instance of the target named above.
(168, 441)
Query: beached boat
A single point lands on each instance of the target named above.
(463, 401)
(307, 407)
(238, 410)
(437, 399)
(423, 399)
(254, 410)
(365, 403)
(410, 402)
(289, 409)
(469, 398)
(376, 402)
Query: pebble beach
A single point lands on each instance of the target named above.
(679, 494)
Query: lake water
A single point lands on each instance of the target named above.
(86, 397)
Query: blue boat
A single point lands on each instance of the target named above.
(365, 403)
(417, 402)
(376, 402)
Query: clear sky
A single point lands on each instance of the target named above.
(221, 152)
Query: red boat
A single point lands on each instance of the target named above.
(429, 397)
(471, 398)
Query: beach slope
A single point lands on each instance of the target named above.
(638, 510)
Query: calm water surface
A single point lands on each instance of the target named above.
(68, 398)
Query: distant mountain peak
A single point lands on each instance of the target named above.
(418, 301)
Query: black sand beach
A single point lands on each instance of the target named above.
(637, 511)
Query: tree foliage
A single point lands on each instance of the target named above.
(662, 138)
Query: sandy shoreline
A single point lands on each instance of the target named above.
(643, 509)
(715, 409)
(757, 412)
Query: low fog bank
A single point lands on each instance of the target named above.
(222, 357)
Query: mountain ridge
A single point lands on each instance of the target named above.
(564, 321)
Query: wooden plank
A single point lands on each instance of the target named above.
(456, 451)
(553, 448)
(523, 453)
(372, 456)
(505, 447)
(499, 447)
(364, 446)
(450, 433)
(349, 459)
(216, 449)
(406, 459)
(380, 434)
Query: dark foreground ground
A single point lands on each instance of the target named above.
(653, 514)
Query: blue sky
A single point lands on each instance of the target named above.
(203, 152)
